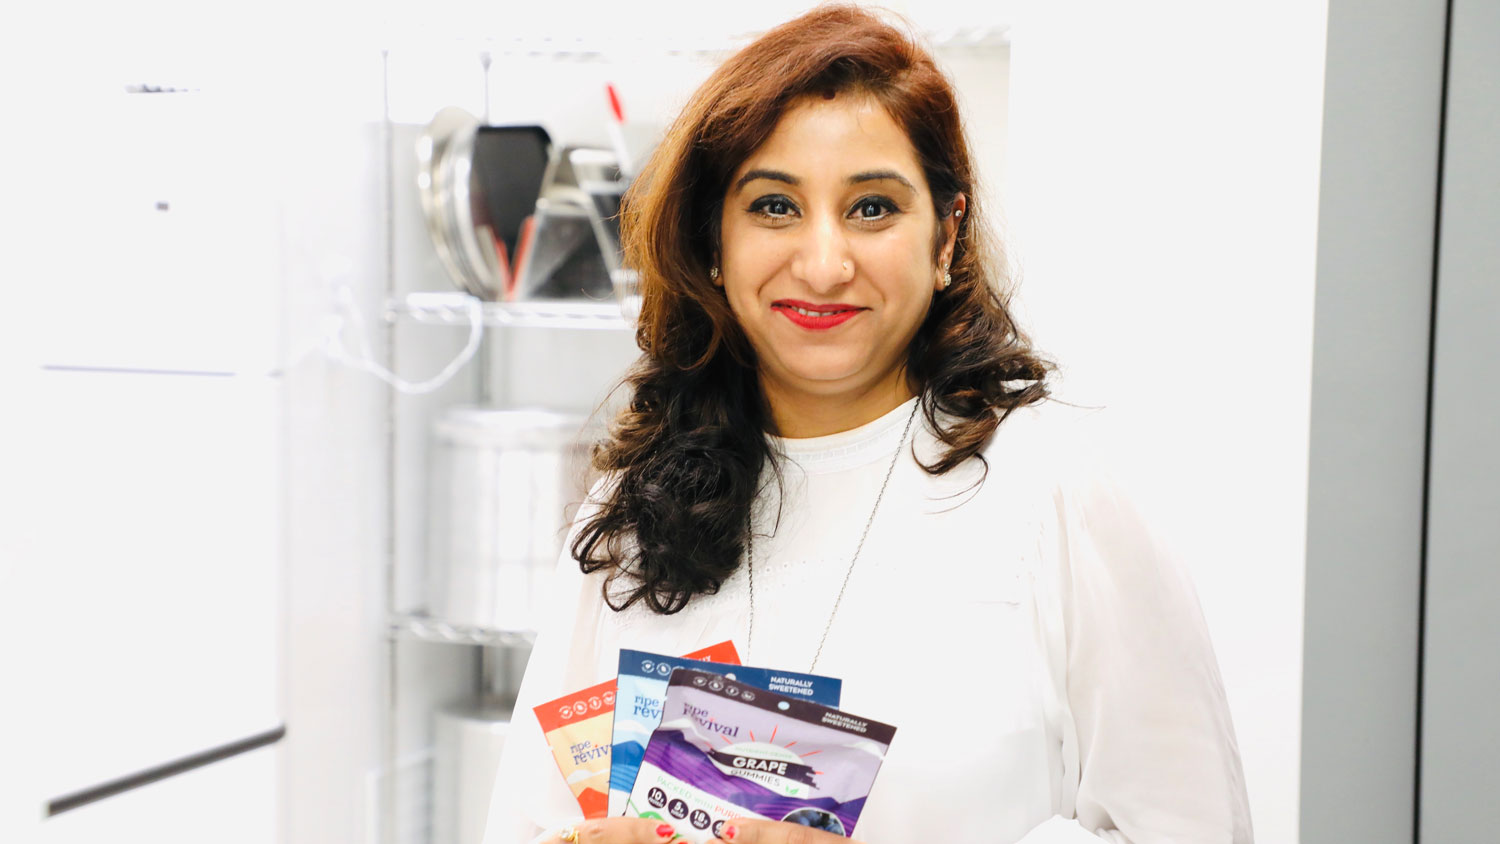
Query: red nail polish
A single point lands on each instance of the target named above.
(664, 830)
(730, 832)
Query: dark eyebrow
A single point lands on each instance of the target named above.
(779, 176)
(773, 175)
(877, 175)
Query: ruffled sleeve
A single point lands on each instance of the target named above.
(530, 798)
(1149, 747)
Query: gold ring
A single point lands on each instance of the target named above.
(570, 835)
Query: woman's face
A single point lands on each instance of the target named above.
(827, 257)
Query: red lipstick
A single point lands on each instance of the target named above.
(815, 317)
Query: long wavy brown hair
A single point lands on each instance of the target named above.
(683, 461)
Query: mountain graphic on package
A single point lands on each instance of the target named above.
(726, 750)
(642, 686)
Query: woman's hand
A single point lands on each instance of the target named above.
(619, 831)
(746, 831)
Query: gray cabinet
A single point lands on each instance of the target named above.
(1400, 674)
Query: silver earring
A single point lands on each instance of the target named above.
(947, 279)
(958, 212)
(713, 273)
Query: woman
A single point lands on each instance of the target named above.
(840, 454)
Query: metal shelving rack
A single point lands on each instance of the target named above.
(570, 315)
(429, 629)
(404, 794)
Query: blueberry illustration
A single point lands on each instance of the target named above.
(817, 819)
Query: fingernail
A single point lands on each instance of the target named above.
(664, 830)
(730, 832)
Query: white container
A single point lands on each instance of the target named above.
(467, 741)
(503, 486)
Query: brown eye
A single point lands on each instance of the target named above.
(773, 206)
(874, 208)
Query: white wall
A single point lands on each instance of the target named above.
(1163, 199)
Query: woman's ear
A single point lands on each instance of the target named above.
(950, 229)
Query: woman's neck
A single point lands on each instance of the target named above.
(800, 415)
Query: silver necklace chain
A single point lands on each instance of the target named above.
(750, 550)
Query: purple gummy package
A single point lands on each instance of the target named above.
(727, 750)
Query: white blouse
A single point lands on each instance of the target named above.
(1045, 663)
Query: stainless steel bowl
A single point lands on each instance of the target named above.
(445, 154)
